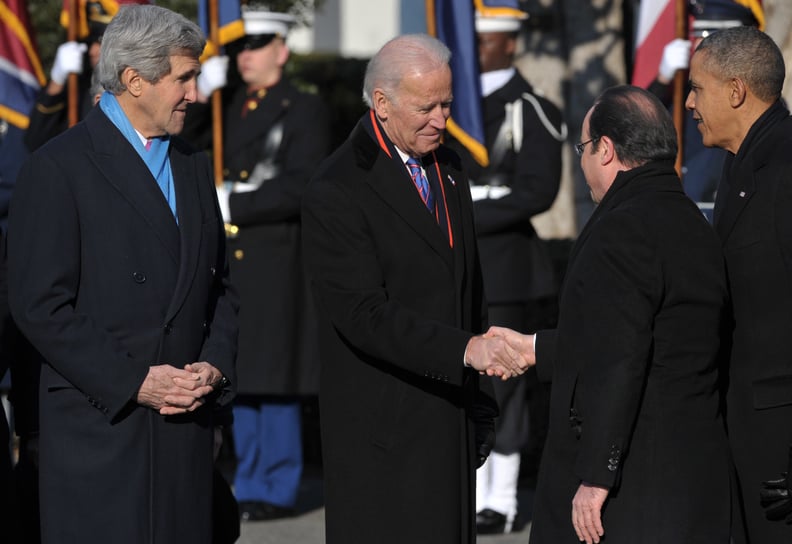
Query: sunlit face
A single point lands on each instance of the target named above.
(415, 118)
(261, 67)
(708, 99)
(496, 50)
(162, 105)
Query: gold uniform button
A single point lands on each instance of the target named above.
(244, 174)
(252, 105)
(261, 93)
(239, 254)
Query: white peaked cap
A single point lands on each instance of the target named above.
(500, 22)
(261, 21)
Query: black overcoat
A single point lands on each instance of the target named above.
(104, 284)
(753, 217)
(397, 306)
(634, 362)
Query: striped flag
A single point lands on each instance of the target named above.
(656, 21)
(452, 22)
(21, 75)
(229, 22)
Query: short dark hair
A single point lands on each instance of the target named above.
(639, 125)
(748, 54)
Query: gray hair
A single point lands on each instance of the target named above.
(144, 37)
(748, 54)
(397, 58)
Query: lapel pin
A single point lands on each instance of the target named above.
(451, 180)
(742, 194)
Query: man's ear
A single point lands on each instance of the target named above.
(737, 92)
(382, 104)
(606, 150)
(132, 81)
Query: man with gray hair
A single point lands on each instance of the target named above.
(736, 77)
(390, 250)
(118, 277)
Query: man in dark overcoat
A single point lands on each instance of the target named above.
(274, 137)
(736, 78)
(636, 449)
(391, 253)
(118, 277)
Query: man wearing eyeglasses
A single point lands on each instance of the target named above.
(274, 136)
(636, 450)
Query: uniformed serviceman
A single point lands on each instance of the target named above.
(274, 136)
(524, 134)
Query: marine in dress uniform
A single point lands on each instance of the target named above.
(274, 137)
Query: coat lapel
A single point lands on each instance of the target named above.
(188, 207)
(121, 166)
(391, 182)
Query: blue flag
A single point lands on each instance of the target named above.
(230, 25)
(452, 22)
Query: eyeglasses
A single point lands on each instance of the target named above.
(580, 146)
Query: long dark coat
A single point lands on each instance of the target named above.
(104, 284)
(635, 402)
(397, 307)
(753, 218)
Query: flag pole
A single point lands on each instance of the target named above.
(217, 104)
(72, 83)
(679, 86)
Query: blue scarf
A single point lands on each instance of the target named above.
(156, 157)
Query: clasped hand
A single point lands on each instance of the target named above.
(776, 495)
(171, 390)
(501, 352)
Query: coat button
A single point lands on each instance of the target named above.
(139, 277)
(168, 328)
(239, 254)
(213, 270)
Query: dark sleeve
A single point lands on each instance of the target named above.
(305, 144)
(348, 280)
(535, 177)
(48, 118)
(545, 344)
(623, 287)
(44, 236)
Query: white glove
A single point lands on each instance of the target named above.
(213, 76)
(68, 60)
(222, 198)
(676, 56)
(478, 192)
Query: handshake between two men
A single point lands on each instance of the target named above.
(501, 352)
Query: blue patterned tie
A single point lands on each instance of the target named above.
(421, 183)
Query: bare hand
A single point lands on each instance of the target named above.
(495, 357)
(162, 391)
(587, 512)
(203, 374)
(521, 343)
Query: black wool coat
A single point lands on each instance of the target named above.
(401, 417)
(104, 284)
(634, 363)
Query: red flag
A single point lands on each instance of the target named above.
(656, 21)
(21, 75)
